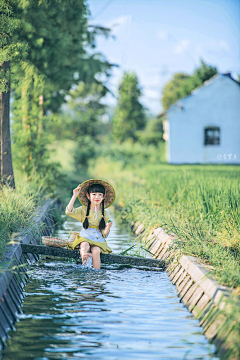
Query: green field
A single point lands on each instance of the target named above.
(199, 203)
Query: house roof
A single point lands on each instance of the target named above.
(207, 82)
(229, 75)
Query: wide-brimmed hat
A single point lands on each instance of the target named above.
(109, 191)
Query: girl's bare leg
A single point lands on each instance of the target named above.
(96, 251)
(84, 248)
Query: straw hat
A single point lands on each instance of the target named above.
(109, 191)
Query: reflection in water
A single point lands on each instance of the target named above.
(71, 312)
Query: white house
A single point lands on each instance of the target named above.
(204, 127)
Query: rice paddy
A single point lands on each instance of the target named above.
(199, 203)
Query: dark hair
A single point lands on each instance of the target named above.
(93, 189)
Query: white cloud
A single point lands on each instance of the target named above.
(224, 45)
(162, 34)
(211, 46)
(151, 93)
(181, 46)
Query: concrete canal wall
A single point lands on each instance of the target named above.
(196, 289)
(201, 294)
(13, 274)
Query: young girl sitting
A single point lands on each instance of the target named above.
(95, 196)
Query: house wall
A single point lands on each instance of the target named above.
(216, 103)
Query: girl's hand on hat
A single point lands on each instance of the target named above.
(76, 191)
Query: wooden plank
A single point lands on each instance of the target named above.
(47, 250)
(132, 260)
(105, 258)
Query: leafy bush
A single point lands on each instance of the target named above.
(152, 134)
(17, 207)
(132, 153)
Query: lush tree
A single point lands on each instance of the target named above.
(58, 57)
(182, 84)
(205, 72)
(81, 121)
(84, 110)
(59, 40)
(175, 89)
(130, 113)
(10, 50)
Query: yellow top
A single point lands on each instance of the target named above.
(80, 215)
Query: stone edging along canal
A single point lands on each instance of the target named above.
(202, 295)
(13, 274)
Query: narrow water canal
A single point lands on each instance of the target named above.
(115, 313)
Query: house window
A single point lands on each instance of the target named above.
(212, 135)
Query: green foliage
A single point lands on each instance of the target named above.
(182, 84)
(130, 153)
(84, 110)
(199, 203)
(81, 122)
(230, 330)
(85, 151)
(129, 115)
(175, 89)
(31, 137)
(57, 36)
(152, 134)
(10, 50)
(58, 39)
(17, 208)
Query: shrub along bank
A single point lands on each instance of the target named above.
(199, 203)
(17, 208)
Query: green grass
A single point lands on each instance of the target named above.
(199, 203)
(17, 208)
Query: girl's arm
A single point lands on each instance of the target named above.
(76, 192)
(107, 229)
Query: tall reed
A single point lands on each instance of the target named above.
(199, 203)
(17, 207)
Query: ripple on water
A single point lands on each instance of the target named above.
(120, 312)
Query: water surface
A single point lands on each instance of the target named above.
(115, 313)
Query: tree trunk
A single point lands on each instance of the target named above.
(6, 155)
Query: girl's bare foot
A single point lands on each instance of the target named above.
(84, 248)
(85, 258)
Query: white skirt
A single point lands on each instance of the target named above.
(92, 234)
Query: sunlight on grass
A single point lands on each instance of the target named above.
(17, 207)
(199, 203)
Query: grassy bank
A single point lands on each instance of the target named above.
(17, 208)
(199, 203)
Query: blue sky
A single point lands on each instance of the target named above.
(158, 38)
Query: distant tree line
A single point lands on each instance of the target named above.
(183, 84)
(129, 120)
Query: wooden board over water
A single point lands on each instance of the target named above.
(105, 258)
